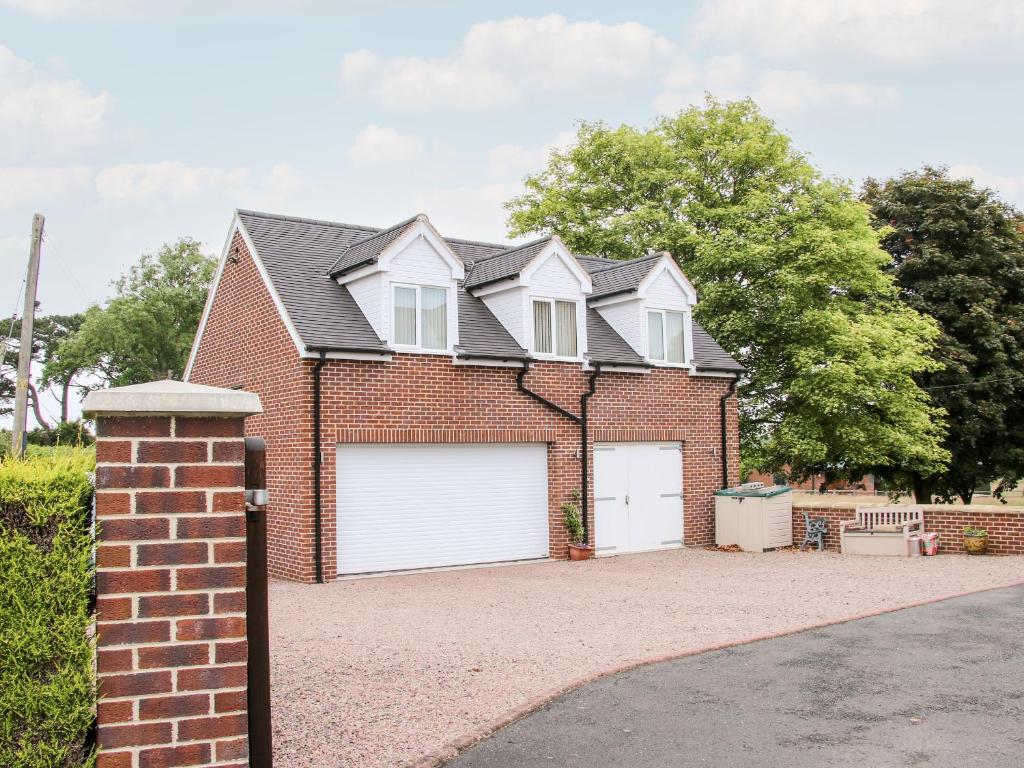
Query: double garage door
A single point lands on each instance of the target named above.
(638, 504)
(404, 506)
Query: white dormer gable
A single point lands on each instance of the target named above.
(415, 275)
(654, 317)
(543, 306)
(422, 246)
(667, 284)
(555, 269)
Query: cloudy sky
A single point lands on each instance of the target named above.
(130, 123)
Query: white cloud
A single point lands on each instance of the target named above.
(888, 30)
(502, 63)
(380, 145)
(43, 116)
(507, 161)
(175, 182)
(1010, 188)
(22, 185)
(776, 90)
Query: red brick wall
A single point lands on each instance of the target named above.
(170, 583)
(1005, 525)
(427, 398)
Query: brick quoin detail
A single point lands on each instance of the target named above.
(1005, 525)
(170, 580)
(426, 398)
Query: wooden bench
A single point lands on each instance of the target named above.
(893, 531)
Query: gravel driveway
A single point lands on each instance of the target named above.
(383, 671)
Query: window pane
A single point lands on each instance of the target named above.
(566, 326)
(674, 333)
(542, 327)
(434, 325)
(405, 316)
(656, 336)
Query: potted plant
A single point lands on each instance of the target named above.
(975, 540)
(578, 547)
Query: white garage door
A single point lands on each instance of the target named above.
(427, 505)
(638, 499)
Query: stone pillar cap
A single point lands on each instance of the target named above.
(171, 398)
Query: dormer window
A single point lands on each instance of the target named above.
(665, 333)
(554, 328)
(420, 317)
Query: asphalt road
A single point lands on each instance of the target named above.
(937, 685)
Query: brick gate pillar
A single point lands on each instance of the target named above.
(170, 574)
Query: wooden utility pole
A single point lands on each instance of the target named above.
(28, 317)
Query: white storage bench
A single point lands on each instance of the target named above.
(893, 531)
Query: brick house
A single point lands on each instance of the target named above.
(461, 391)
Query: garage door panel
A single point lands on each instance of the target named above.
(641, 488)
(429, 505)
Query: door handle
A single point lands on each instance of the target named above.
(627, 499)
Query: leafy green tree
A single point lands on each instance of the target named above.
(146, 330)
(958, 256)
(789, 270)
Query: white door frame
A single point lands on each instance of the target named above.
(633, 511)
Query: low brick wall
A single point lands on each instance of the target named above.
(1005, 525)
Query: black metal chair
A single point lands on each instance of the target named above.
(815, 530)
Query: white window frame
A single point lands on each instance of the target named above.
(418, 346)
(664, 361)
(553, 354)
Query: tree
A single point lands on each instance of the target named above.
(147, 329)
(49, 331)
(957, 253)
(789, 270)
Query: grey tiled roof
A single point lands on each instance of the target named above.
(625, 276)
(369, 248)
(605, 345)
(296, 254)
(507, 263)
(708, 356)
(481, 334)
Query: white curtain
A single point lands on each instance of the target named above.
(674, 332)
(566, 327)
(434, 318)
(405, 316)
(542, 327)
(655, 336)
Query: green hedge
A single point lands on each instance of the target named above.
(47, 691)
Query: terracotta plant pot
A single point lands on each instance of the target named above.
(580, 552)
(976, 545)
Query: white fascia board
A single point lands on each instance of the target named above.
(496, 287)
(617, 298)
(209, 296)
(668, 264)
(588, 366)
(237, 226)
(356, 274)
(383, 357)
(713, 374)
(557, 247)
(423, 228)
(484, 362)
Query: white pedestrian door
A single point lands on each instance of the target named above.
(403, 506)
(638, 499)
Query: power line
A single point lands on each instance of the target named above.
(978, 383)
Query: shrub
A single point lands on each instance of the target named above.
(572, 518)
(47, 691)
(970, 530)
